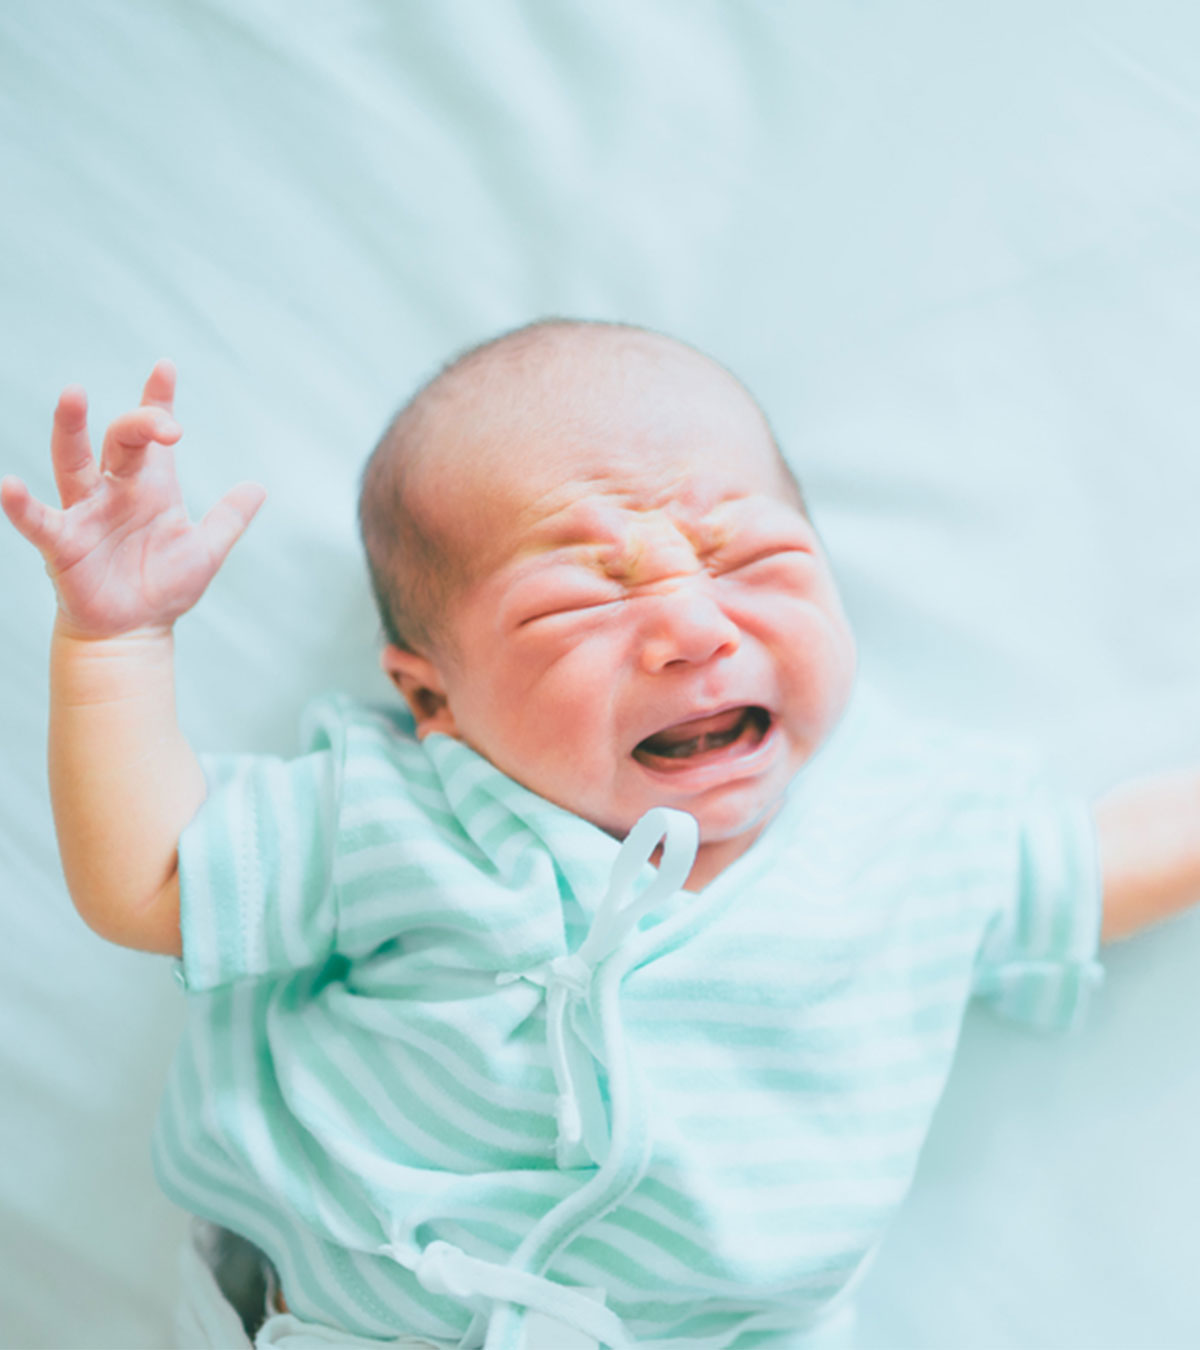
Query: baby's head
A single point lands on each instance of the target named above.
(595, 568)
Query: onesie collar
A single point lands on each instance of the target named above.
(504, 818)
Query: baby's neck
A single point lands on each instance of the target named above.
(713, 858)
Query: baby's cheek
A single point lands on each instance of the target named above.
(577, 693)
(806, 641)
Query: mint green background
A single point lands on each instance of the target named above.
(951, 247)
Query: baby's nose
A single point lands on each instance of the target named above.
(687, 627)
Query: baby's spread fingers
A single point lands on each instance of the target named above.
(75, 470)
(160, 387)
(224, 524)
(130, 435)
(38, 523)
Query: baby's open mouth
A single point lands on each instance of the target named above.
(743, 727)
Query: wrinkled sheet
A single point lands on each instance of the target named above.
(954, 251)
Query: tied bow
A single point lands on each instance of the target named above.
(583, 1135)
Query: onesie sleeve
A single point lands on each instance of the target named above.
(256, 868)
(1037, 964)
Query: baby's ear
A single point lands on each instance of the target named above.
(420, 681)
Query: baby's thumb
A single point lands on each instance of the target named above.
(27, 515)
(226, 522)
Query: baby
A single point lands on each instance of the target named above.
(463, 1065)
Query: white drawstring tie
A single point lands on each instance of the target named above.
(567, 980)
(445, 1269)
(583, 1030)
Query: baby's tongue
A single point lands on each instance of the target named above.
(701, 733)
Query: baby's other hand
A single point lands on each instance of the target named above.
(121, 552)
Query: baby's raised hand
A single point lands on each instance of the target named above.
(121, 552)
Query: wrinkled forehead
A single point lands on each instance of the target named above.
(637, 424)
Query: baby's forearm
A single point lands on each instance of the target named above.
(124, 782)
(1149, 836)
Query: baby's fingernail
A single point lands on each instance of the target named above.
(165, 423)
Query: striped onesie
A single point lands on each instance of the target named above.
(425, 1073)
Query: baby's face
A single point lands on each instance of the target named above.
(658, 624)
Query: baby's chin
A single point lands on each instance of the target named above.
(729, 820)
(725, 834)
(728, 826)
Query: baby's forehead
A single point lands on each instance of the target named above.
(586, 434)
(583, 376)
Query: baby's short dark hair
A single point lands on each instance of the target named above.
(414, 573)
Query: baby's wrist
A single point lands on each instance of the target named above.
(91, 670)
(67, 629)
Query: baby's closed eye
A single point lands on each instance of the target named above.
(762, 561)
(567, 597)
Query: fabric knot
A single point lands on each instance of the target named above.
(571, 973)
(440, 1270)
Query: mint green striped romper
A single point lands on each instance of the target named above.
(399, 1083)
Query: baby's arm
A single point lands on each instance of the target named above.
(126, 563)
(1149, 836)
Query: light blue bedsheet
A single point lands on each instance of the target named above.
(954, 249)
